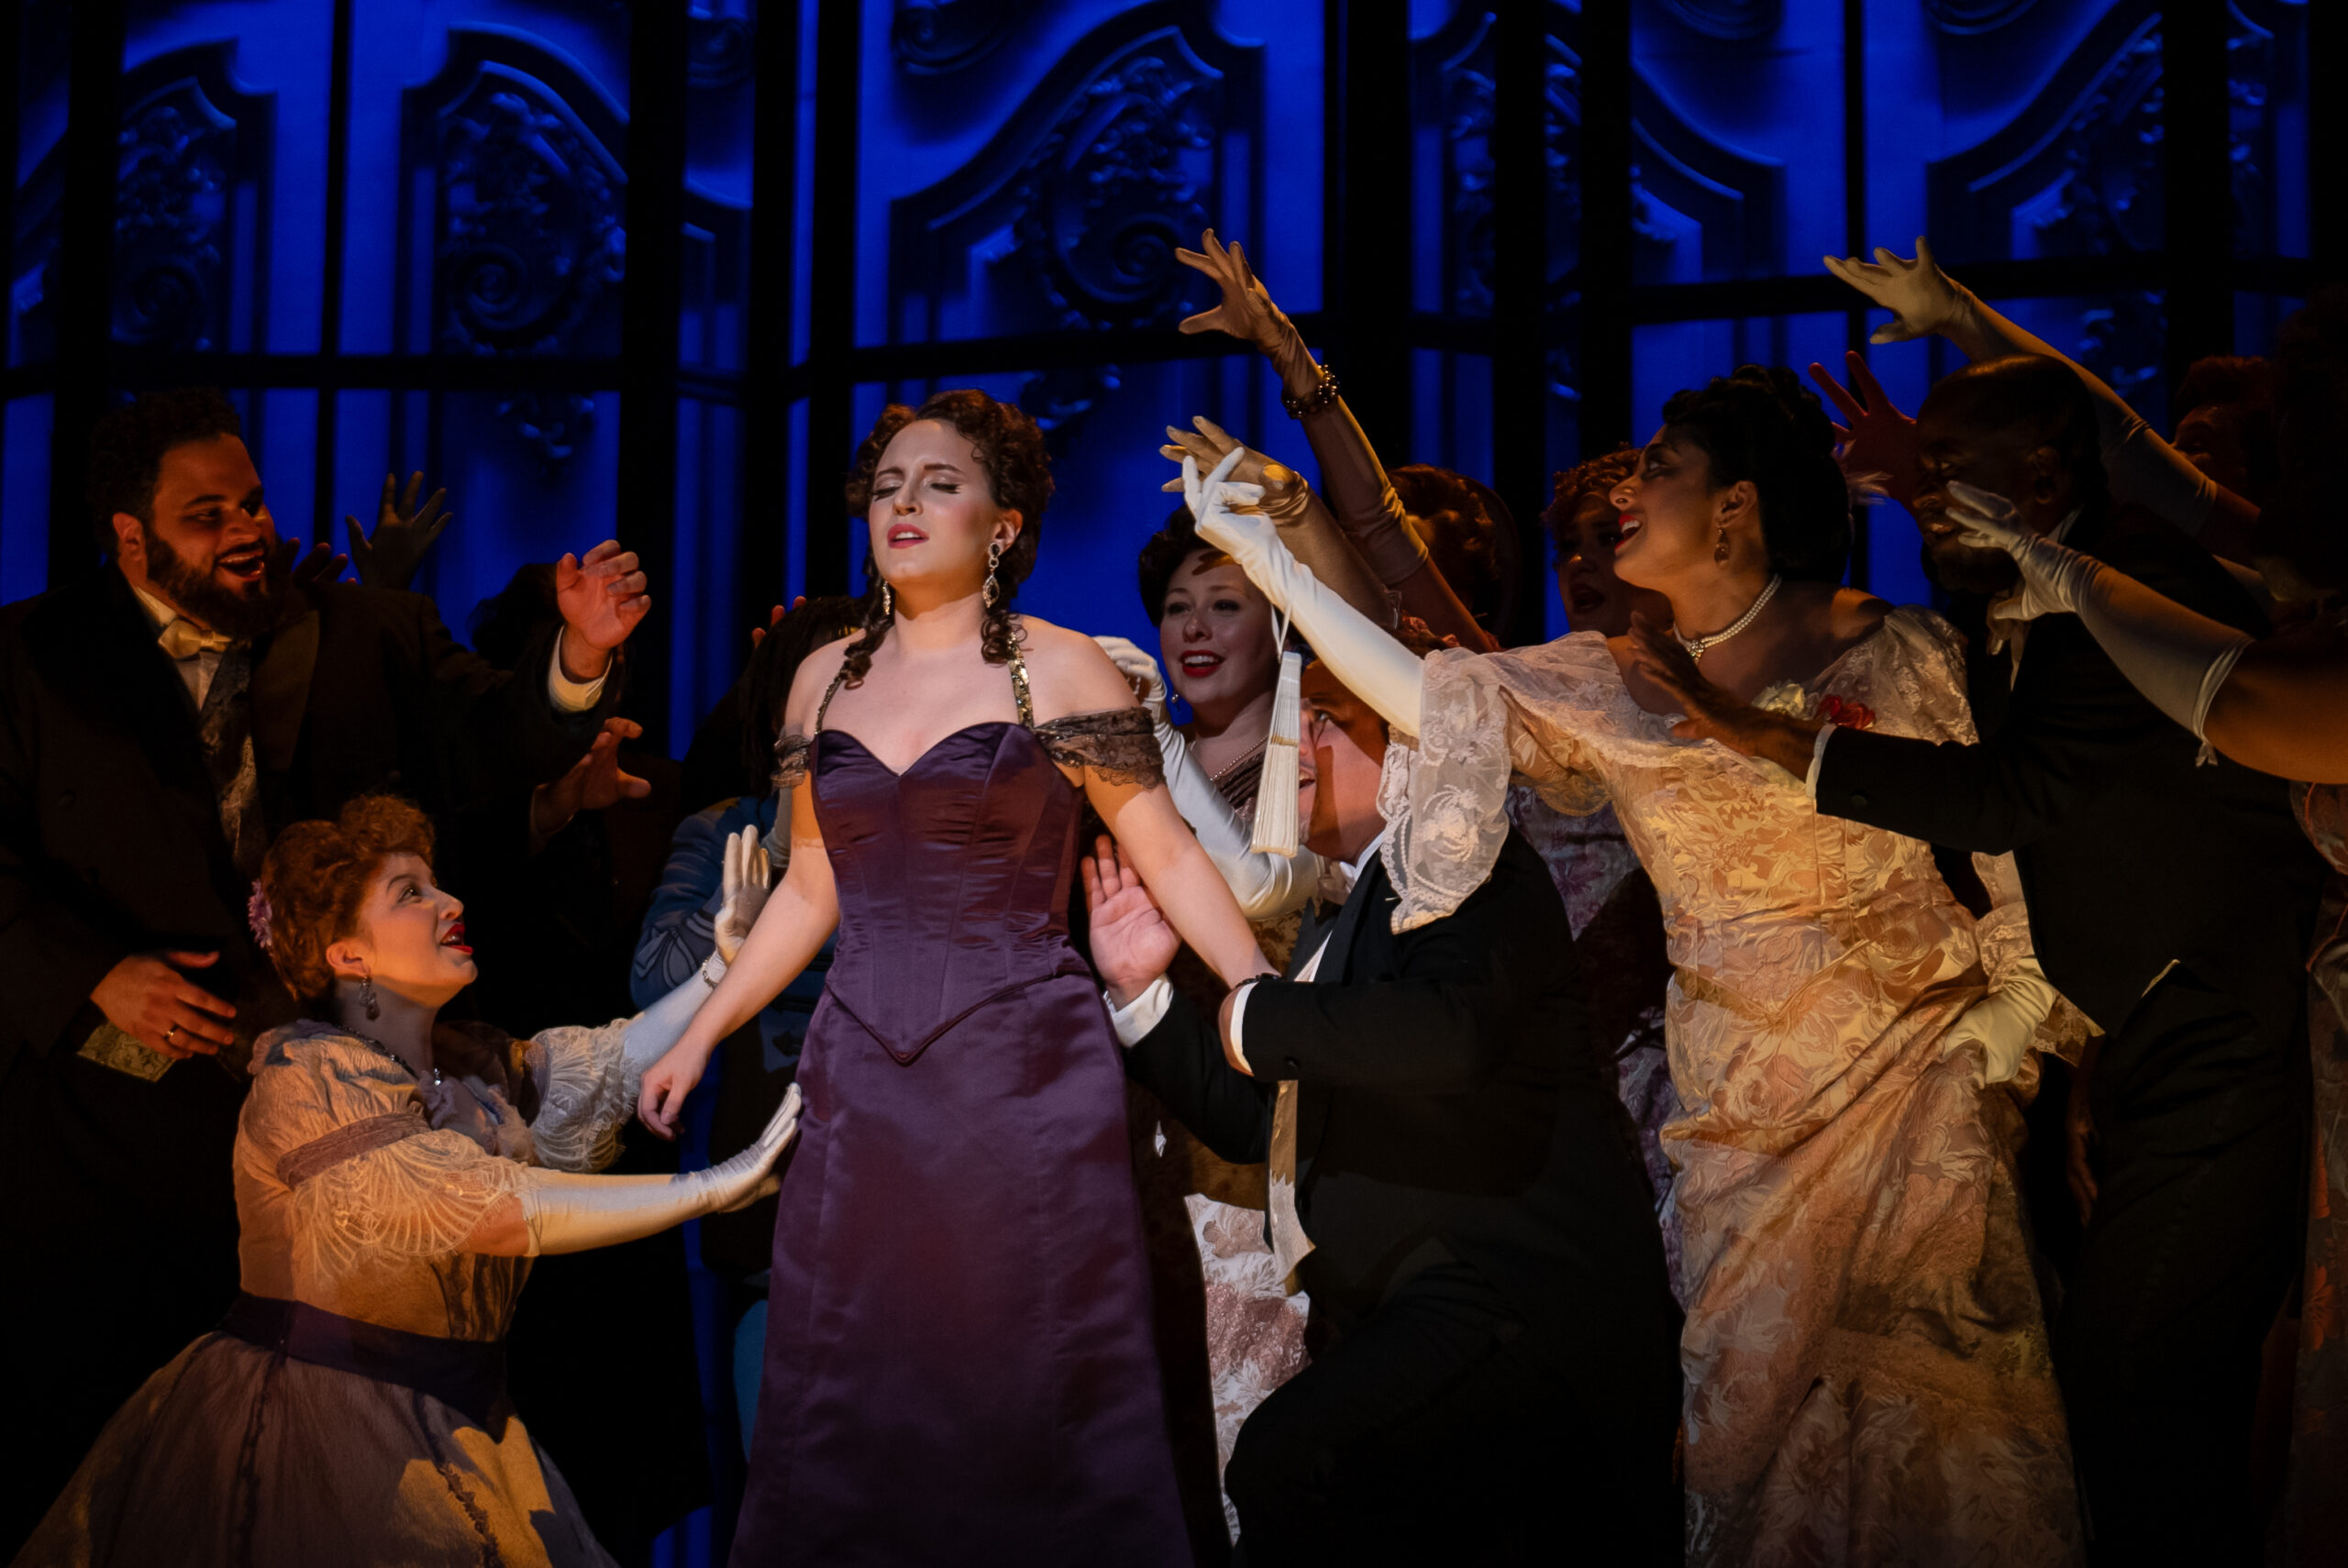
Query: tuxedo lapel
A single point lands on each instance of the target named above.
(1371, 891)
(108, 652)
(281, 684)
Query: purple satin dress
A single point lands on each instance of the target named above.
(958, 1363)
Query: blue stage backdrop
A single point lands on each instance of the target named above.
(413, 234)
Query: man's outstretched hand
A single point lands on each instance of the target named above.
(602, 598)
(1132, 944)
(388, 557)
(593, 782)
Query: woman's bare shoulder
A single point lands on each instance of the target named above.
(815, 678)
(1853, 614)
(1067, 673)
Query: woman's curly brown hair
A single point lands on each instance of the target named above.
(1019, 478)
(1600, 476)
(316, 877)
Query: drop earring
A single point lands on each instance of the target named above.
(994, 558)
(367, 997)
(1720, 551)
(888, 601)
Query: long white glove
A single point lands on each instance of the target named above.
(567, 1213)
(1308, 530)
(1265, 886)
(2177, 657)
(2004, 1022)
(1371, 665)
(744, 881)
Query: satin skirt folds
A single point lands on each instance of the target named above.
(237, 1455)
(959, 1363)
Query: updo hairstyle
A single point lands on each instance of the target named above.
(1763, 424)
(1010, 448)
(1600, 476)
(316, 876)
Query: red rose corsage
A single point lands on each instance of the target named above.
(1846, 715)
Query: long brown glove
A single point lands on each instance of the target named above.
(1362, 497)
(1310, 534)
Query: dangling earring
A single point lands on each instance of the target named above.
(367, 997)
(1720, 551)
(994, 558)
(888, 601)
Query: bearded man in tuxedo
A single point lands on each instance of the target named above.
(159, 721)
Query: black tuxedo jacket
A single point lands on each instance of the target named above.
(1450, 1101)
(2131, 856)
(110, 845)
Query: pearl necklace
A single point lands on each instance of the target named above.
(1699, 646)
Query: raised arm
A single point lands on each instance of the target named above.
(2276, 704)
(1266, 885)
(2145, 470)
(1364, 499)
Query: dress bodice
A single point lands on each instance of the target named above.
(351, 1200)
(964, 859)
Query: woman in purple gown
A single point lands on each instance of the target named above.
(960, 1363)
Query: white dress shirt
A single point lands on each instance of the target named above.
(197, 658)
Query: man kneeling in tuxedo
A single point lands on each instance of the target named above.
(1496, 1370)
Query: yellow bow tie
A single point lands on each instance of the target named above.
(184, 639)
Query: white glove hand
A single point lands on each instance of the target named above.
(1142, 673)
(2004, 1022)
(575, 1213)
(2056, 579)
(1923, 299)
(1371, 664)
(743, 886)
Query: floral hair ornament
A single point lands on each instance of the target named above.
(257, 916)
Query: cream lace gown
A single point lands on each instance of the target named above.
(352, 1410)
(1866, 1361)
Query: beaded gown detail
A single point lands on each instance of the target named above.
(960, 1366)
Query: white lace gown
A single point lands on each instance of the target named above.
(354, 1208)
(1868, 1379)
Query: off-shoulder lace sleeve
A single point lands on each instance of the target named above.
(790, 761)
(1118, 744)
(1484, 720)
(587, 1090)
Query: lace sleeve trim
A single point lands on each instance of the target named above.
(586, 1093)
(1118, 744)
(415, 1198)
(790, 761)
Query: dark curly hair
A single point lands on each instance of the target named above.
(1763, 424)
(1162, 555)
(128, 446)
(765, 684)
(1469, 532)
(316, 877)
(1592, 476)
(1019, 478)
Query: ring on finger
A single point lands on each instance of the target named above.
(174, 1029)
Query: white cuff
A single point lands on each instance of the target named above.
(1817, 760)
(570, 696)
(1238, 1024)
(1144, 1013)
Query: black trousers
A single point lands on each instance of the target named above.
(1428, 1433)
(2201, 1138)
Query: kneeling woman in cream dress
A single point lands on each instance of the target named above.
(393, 1184)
